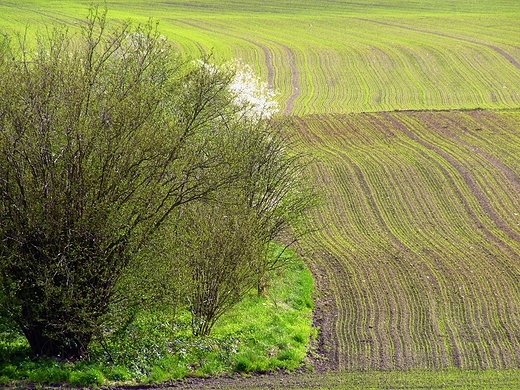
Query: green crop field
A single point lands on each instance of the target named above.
(338, 56)
(418, 257)
(412, 111)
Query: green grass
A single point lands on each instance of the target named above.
(274, 331)
(348, 57)
(258, 335)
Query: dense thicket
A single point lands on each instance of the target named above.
(102, 137)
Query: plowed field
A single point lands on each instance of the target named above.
(417, 252)
(418, 256)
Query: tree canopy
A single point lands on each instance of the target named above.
(109, 143)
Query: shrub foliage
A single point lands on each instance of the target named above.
(102, 136)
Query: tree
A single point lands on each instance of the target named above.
(218, 250)
(273, 184)
(223, 244)
(97, 136)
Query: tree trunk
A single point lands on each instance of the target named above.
(261, 285)
(46, 342)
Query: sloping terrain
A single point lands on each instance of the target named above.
(336, 56)
(418, 253)
(417, 256)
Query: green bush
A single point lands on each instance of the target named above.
(260, 334)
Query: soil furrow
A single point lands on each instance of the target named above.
(500, 51)
(469, 180)
(294, 81)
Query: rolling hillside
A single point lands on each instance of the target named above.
(412, 111)
(337, 56)
(418, 258)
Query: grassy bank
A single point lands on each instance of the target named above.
(260, 334)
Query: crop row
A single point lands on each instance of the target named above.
(419, 245)
(340, 58)
(363, 65)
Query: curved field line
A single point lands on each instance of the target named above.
(65, 19)
(353, 67)
(295, 89)
(406, 258)
(345, 58)
(294, 81)
(268, 64)
(508, 177)
(468, 178)
(500, 51)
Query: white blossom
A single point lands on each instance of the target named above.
(252, 94)
(211, 68)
